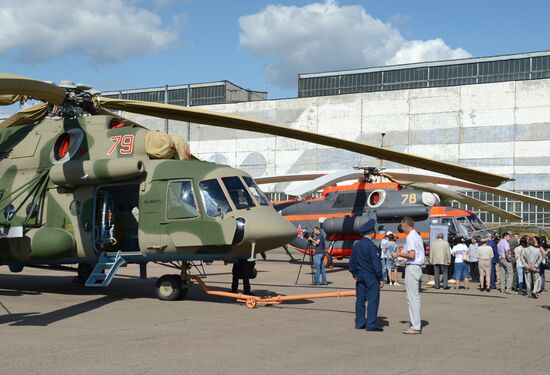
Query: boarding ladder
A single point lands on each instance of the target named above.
(105, 269)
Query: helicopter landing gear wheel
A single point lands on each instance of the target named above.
(169, 288)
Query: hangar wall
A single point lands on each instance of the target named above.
(499, 127)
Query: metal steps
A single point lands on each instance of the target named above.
(105, 269)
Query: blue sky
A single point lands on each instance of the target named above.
(257, 44)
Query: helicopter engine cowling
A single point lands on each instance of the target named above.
(351, 224)
(344, 225)
(78, 173)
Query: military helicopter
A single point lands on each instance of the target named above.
(387, 197)
(82, 185)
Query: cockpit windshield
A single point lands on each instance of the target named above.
(215, 202)
(476, 222)
(449, 222)
(238, 192)
(256, 192)
(465, 226)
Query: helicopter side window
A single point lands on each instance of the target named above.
(180, 202)
(238, 193)
(215, 202)
(256, 192)
(449, 222)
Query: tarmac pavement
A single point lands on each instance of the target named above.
(50, 325)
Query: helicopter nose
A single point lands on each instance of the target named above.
(268, 230)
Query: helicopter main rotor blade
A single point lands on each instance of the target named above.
(26, 116)
(11, 84)
(174, 112)
(11, 99)
(287, 178)
(322, 182)
(469, 185)
(462, 198)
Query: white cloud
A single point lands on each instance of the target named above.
(106, 31)
(326, 36)
(426, 50)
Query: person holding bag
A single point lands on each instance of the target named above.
(460, 250)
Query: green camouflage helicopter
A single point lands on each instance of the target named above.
(82, 185)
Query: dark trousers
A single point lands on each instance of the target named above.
(474, 271)
(367, 289)
(440, 268)
(235, 284)
(493, 276)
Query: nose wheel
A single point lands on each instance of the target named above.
(170, 288)
(174, 287)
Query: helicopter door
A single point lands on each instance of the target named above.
(116, 218)
(181, 224)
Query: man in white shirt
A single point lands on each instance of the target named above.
(414, 259)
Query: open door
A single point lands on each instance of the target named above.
(116, 218)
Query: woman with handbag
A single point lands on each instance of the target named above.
(462, 256)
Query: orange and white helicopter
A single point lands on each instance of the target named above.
(341, 210)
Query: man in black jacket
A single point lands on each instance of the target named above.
(242, 269)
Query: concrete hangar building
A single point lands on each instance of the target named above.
(491, 113)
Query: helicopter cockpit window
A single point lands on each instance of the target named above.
(180, 202)
(465, 226)
(449, 222)
(477, 223)
(215, 202)
(238, 193)
(256, 192)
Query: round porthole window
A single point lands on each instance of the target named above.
(376, 198)
(66, 146)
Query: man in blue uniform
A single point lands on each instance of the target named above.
(366, 268)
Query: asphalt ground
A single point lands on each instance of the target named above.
(49, 325)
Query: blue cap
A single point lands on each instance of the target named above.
(368, 226)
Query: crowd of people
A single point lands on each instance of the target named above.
(510, 264)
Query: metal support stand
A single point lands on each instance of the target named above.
(143, 271)
(252, 255)
(285, 247)
(309, 249)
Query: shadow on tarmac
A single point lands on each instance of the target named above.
(423, 323)
(42, 320)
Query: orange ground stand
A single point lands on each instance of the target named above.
(253, 301)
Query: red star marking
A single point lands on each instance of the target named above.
(300, 231)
